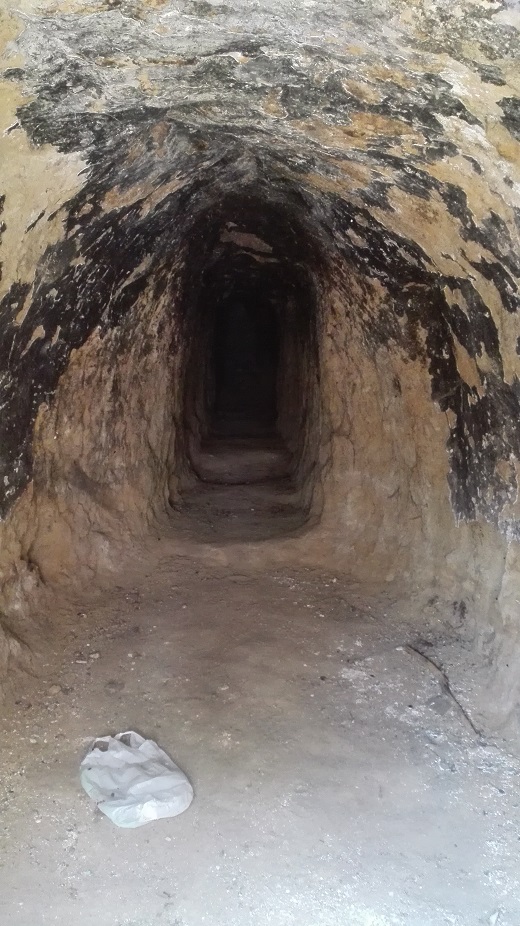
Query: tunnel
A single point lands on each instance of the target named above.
(259, 454)
(250, 392)
(244, 357)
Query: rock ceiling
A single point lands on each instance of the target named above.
(390, 130)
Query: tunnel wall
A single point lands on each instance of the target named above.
(385, 478)
(101, 449)
(300, 408)
(103, 445)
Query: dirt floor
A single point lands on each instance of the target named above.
(337, 782)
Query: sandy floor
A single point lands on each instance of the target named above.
(336, 781)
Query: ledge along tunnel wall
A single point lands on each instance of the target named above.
(361, 163)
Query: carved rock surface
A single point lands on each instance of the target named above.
(359, 162)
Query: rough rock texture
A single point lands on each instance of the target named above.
(366, 157)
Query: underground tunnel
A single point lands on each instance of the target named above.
(259, 323)
(251, 374)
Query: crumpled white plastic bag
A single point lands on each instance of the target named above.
(133, 781)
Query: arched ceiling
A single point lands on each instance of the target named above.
(391, 129)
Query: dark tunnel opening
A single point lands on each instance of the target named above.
(251, 375)
(245, 351)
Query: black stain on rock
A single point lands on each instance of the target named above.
(511, 108)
